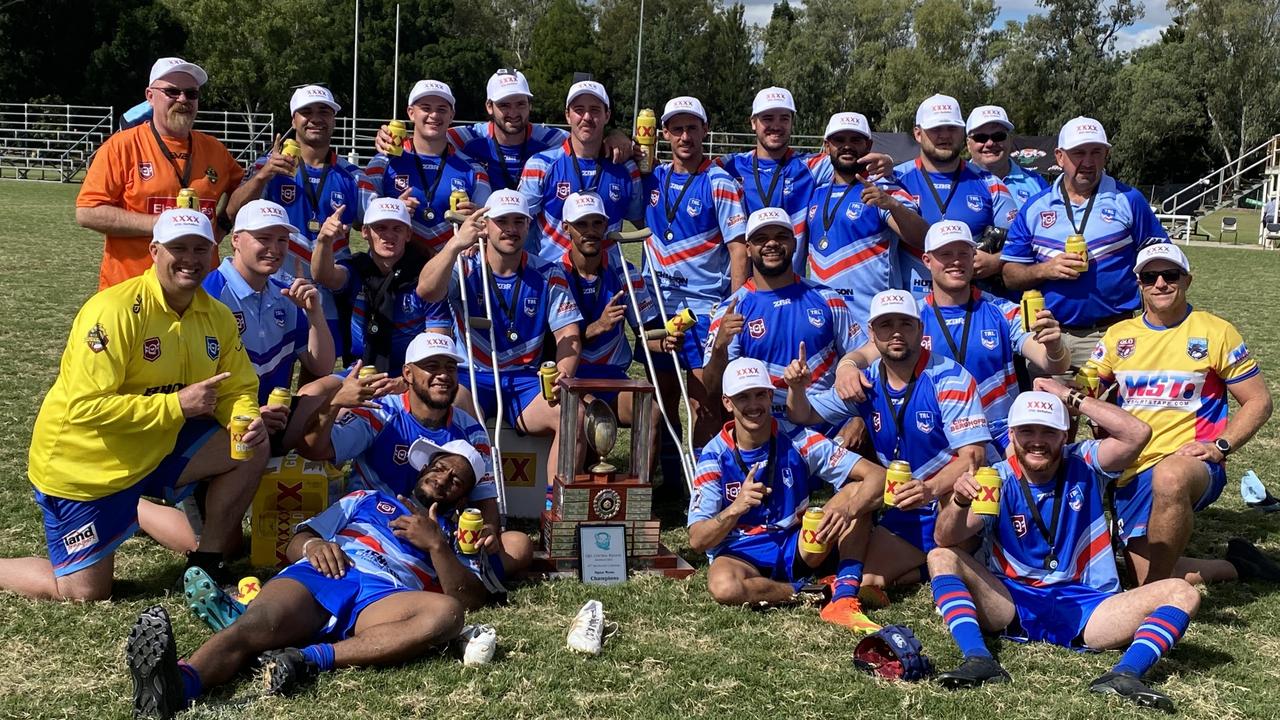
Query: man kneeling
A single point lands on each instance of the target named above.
(375, 581)
(1049, 574)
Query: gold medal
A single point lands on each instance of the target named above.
(822, 244)
(313, 226)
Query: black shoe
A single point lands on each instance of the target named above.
(284, 672)
(213, 563)
(153, 663)
(1128, 685)
(973, 672)
(1250, 562)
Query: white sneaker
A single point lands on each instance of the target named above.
(478, 644)
(587, 630)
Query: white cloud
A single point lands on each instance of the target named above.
(1132, 39)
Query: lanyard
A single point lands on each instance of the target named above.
(960, 352)
(669, 209)
(580, 286)
(901, 414)
(829, 214)
(582, 184)
(937, 199)
(184, 175)
(1050, 533)
(509, 310)
(766, 199)
(313, 195)
(502, 159)
(430, 192)
(771, 468)
(1071, 215)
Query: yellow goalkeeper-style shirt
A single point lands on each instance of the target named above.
(113, 414)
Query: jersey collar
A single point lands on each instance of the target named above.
(726, 433)
(1153, 326)
(200, 302)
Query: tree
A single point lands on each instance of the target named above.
(563, 42)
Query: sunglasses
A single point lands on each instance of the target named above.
(982, 138)
(1149, 277)
(174, 93)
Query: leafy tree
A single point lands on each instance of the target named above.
(563, 42)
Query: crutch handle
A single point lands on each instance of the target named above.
(628, 236)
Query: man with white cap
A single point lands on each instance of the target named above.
(854, 226)
(1086, 294)
(752, 487)
(1175, 367)
(527, 298)
(1046, 572)
(387, 287)
(921, 408)
(431, 169)
(376, 580)
(943, 187)
(138, 172)
(320, 186)
(579, 165)
(988, 134)
(151, 377)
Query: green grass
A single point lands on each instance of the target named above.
(677, 655)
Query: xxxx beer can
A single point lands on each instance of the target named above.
(1076, 244)
(988, 500)
(647, 138)
(247, 589)
(898, 474)
(280, 396)
(188, 199)
(809, 531)
(240, 450)
(398, 134)
(469, 531)
(547, 376)
(1087, 380)
(367, 371)
(292, 149)
(1032, 303)
(456, 197)
(680, 322)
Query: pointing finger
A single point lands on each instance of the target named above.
(733, 306)
(337, 213)
(408, 193)
(802, 357)
(217, 378)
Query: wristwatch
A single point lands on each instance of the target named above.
(1223, 446)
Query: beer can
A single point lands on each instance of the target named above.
(1087, 379)
(187, 199)
(240, 450)
(1032, 303)
(647, 138)
(988, 500)
(1076, 244)
(456, 197)
(247, 589)
(292, 149)
(469, 525)
(547, 376)
(680, 322)
(809, 531)
(367, 371)
(280, 396)
(899, 473)
(398, 134)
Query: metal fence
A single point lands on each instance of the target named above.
(246, 135)
(50, 142)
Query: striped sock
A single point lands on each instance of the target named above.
(191, 685)
(848, 579)
(961, 615)
(321, 654)
(1155, 637)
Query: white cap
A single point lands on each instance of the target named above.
(262, 214)
(310, 95)
(743, 374)
(580, 205)
(766, 217)
(946, 232)
(847, 121)
(773, 98)
(179, 223)
(1080, 131)
(938, 111)
(587, 87)
(386, 208)
(428, 88)
(430, 344)
(507, 202)
(984, 114)
(1162, 251)
(1035, 407)
(684, 104)
(164, 66)
(893, 302)
(423, 451)
(505, 83)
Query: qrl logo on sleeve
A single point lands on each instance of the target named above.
(80, 539)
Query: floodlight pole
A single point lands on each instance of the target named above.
(355, 77)
(635, 108)
(395, 73)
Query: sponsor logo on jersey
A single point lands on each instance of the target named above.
(1124, 348)
(563, 189)
(925, 420)
(1048, 218)
(400, 454)
(974, 202)
(97, 338)
(737, 219)
(288, 193)
(402, 183)
(240, 324)
(386, 508)
(1108, 214)
(1169, 390)
(731, 490)
(816, 317)
(813, 211)
(151, 349)
(1075, 499)
(786, 185)
(280, 316)
(837, 455)
(1197, 348)
(781, 301)
(211, 175)
(756, 328)
(211, 347)
(137, 304)
(1020, 525)
(694, 208)
(960, 425)
(990, 339)
(82, 538)
(146, 170)
(346, 418)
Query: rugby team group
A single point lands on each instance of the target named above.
(923, 338)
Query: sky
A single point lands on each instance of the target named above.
(1144, 32)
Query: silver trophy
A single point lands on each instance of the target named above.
(602, 433)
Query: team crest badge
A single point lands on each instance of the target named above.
(924, 421)
(562, 190)
(875, 421)
(456, 185)
(97, 338)
(402, 183)
(787, 478)
(1023, 196)
(531, 306)
(615, 192)
(974, 202)
(211, 347)
(337, 199)
(1075, 499)
(1108, 214)
(288, 193)
(151, 349)
(854, 211)
(1124, 348)
(756, 328)
(400, 454)
(1099, 352)
(731, 491)
(146, 170)
(1020, 525)
(386, 508)
(694, 208)
(654, 196)
(240, 326)
(211, 175)
(786, 186)
(1048, 218)
(815, 317)
(926, 342)
(1197, 348)
(279, 315)
(989, 339)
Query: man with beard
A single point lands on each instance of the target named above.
(137, 173)
(152, 375)
(753, 485)
(310, 190)
(1174, 368)
(853, 234)
(1087, 295)
(987, 133)
(921, 408)
(431, 170)
(376, 580)
(375, 433)
(944, 187)
(1048, 574)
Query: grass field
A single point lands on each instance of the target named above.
(678, 655)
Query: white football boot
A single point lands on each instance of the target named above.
(587, 631)
(478, 644)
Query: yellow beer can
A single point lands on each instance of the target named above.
(1032, 303)
(547, 376)
(988, 500)
(899, 473)
(398, 134)
(809, 531)
(240, 450)
(280, 396)
(1076, 244)
(187, 199)
(292, 149)
(469, 525)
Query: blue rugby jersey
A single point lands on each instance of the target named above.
(412, 315)
(503, 163)
(611, 348)
(1120, 223)
(392, 175)
(855, 254)
(693, 265)
(801, 461)
(791, 191)
(777, 321)
(273, 330)
(377, 440)
(550, 177)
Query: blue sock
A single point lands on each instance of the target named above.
(1155, 637)
(321, 654)
(192, 688)
(848, 579)
(961, 615)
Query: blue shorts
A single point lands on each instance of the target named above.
(80, 533)
(343, 598)
(690, 353)
(1133, 501)
(603, 372)
(776, 555)
(914, 526)
(1056, 614)
(519, 390)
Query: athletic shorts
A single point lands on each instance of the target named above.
(1133, 501)
(80, 533)
(519, 390)
(603, 372)
(914, 526)
(343, 598)
(690, 353)
(776, 555)
(1056, 614)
